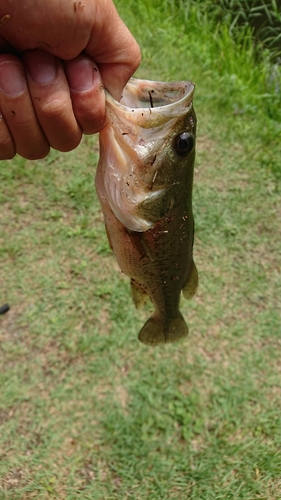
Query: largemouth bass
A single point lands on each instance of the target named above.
(144, 183)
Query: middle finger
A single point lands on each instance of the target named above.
(51, 99)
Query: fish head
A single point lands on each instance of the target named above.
(147, 150)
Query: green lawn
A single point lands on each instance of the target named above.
(88, 412)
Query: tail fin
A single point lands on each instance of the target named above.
(162, 330)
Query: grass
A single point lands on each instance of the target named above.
(263, 17)
(88, 412)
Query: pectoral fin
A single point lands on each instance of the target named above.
(191, 285)
(138, 294)
(156, 205)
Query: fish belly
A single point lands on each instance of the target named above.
(160, 265)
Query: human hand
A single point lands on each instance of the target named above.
(55, 58)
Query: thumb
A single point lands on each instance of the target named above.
(113, 48)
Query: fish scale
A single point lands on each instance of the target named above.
(144, 183)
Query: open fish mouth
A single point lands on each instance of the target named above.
(137, 130)
(148, 104)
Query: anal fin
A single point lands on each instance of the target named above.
(191, 285)
(138, 294)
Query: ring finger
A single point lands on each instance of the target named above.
(19, 130)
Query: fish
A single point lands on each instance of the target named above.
(144, 183)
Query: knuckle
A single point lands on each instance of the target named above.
(136, 57)
(69, 144)
(92, 127)
(37, 155)
(7, 155)
(91, 121)
(59, 124)
(55, 109)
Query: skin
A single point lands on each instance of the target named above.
(55, 58)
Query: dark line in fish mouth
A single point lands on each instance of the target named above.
(150, 98)
(151, 163)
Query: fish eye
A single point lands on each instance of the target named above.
(183, 143)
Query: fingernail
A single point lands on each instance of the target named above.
(81, 74)
(12, 81)
(41, 66)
